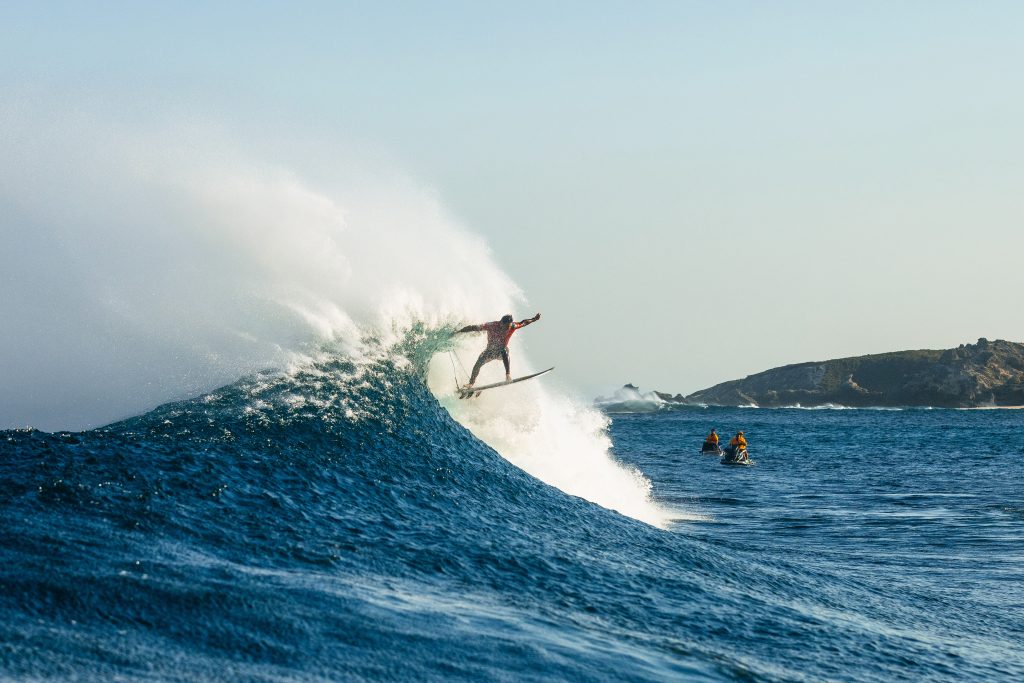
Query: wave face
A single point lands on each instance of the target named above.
(332, 521)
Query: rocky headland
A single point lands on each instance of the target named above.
(985, 374)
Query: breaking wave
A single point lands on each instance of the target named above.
(151, 265)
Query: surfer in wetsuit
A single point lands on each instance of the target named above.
(498, 334)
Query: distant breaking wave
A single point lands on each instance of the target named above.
(629, 399)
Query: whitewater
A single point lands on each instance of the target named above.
(173, 263)
(231, 449)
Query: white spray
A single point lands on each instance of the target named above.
(147, 266)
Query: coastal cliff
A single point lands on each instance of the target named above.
(988, 373)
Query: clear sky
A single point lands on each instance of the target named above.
(689, 192)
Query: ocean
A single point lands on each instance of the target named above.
(348, 521)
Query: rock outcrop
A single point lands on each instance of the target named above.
(971, 375)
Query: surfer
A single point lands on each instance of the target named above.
(498, 334)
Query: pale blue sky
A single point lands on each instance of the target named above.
(697, 191)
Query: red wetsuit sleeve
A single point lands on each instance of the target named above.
(512, 328)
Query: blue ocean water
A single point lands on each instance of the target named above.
(337, 523)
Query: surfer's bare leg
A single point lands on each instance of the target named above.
(505, 360)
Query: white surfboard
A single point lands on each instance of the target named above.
(475, 391)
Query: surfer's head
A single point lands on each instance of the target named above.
(507, 318)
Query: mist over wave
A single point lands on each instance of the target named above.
(152, 264)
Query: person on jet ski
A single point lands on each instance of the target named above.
(737, 447)
(710, 442)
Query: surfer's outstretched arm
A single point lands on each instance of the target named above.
(470, 328)
(529, 321)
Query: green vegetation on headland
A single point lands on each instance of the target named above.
(970, 376)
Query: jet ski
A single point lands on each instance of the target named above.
(732, 457)
(711, 449)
